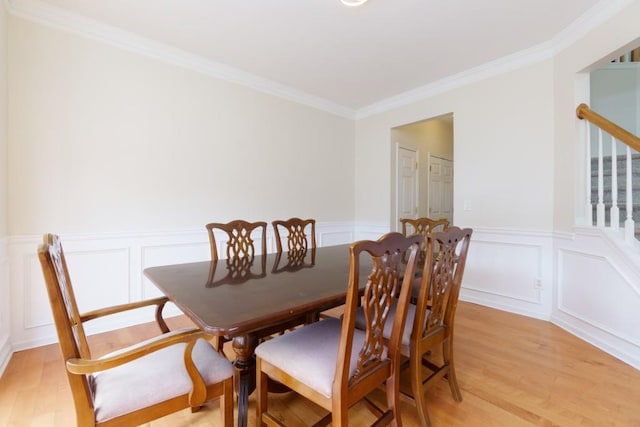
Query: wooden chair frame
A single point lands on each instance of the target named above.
(433, 323)
(373, 369)
(423, 226)
(239, 243)
(80, 365)
(297, 239)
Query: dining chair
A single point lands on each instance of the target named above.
(332, 363)
(423, 226)
(136, 384)
(301, 236)
(298, 238)
(430, 322)
(240, 243)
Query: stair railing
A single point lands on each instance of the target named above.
(632, 142)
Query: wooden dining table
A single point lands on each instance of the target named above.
(248, 299)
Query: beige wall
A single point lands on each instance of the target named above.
(3, 122)
(503, 151)
(614, 37)
(105, 140)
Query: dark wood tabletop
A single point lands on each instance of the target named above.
(244, 299)
(228, 299)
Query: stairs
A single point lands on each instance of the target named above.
(622, 190)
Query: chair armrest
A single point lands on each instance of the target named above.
(159, 302)
(89, 366)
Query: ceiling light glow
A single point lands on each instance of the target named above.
(353, 2)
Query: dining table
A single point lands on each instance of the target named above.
(245, 300)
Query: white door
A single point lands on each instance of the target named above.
(406, 184)
(440, 188)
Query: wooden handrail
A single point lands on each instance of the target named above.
(585, 113)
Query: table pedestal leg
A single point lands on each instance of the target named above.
(245, 373)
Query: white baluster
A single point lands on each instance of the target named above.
(588, 208)
(615, 211)
(629, 225)
(600, 206)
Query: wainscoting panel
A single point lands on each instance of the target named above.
(598, 292)
(107, 269)
(582, 282)
(510, 270)
(5, 306)
(169, 253)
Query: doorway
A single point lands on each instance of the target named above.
(432, 142)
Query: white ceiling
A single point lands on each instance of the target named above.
(351, 57)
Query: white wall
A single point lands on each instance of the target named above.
(128, 157)
(595, 281)
(503, 128)
(518, 160)
(134, 145)
(105, 140)
(615, 94)
(5, 348)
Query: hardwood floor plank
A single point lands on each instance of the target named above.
(513, 371)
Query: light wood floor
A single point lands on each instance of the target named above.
(513, 371)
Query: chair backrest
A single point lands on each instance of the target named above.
(71, 335)
(423, 226)
(441, 280)
(297, 237)
(240, 244)
(382, 291)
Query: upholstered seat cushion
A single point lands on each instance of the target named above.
(309, 354)
(154, 378)
(408, 326)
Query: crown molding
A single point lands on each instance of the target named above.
(592, 18)
(37, 11)
(502, 65)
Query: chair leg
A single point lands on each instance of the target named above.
(447, 354)
(339, 413)
(226, 403)
(416, 387)
(393, 400)
(262, 387)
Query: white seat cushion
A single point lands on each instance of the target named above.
(309, 354)
(154, 378)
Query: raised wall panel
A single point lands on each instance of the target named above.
(510, 270)
(170, 253)
(589, 284)
(504, 269)
(598, 293)
(5, 307)
(596, 284)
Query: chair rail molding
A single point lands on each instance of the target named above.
(107, 269)
(581, 280)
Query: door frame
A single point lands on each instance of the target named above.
(416, 186)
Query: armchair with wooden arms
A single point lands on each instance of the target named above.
(332, 363)
(140, 383)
